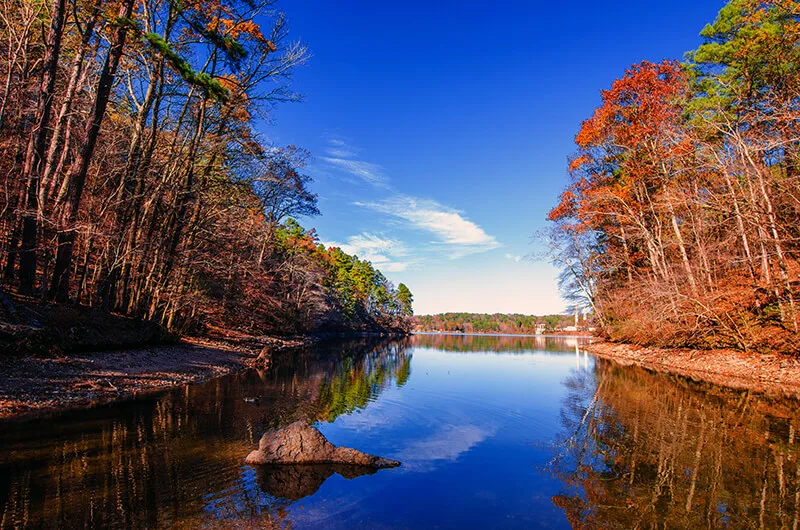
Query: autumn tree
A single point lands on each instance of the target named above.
(135, 180)
(683, 196)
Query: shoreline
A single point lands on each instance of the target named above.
(38, 386)
(771, 375)
(33, 387)
(565, 335)
(58, 357)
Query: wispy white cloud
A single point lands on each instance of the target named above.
(344, 157)
(385, 253)
(395, 267)
(461, 236)
(454, 234)
(339, 153)
(366, 171)
(512, 257)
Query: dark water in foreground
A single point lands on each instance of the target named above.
(493, 432)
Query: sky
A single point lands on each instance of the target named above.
(440, 130)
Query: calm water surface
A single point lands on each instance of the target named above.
(493, 432)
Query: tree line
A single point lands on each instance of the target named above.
(514, 324)
(680, 225)
(511, 343)
(135, 180)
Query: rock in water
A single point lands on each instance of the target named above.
(300, 443)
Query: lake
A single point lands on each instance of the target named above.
(492, 431)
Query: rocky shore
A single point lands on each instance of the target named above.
(775, 374)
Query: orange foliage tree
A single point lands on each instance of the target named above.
(682, 210)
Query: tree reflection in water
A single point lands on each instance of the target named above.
(643, 450)
(177, 459)
(521, 344)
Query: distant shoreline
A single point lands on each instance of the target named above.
(774, 374)
(566, 334)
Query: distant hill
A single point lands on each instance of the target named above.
(499, 323)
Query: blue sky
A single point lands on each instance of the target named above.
(440, 130)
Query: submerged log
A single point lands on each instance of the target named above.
(300, 443)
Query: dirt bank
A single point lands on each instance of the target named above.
(34, 385)
(63, 356)
(774, 374)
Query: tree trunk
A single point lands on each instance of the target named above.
(61, 131)
(59, 288)
(740, 225)
(36, 149)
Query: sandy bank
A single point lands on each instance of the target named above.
(35, 385)
(774, 374)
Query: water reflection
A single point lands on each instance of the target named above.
(457, 342)
(293, 483)
(641, 450)
(176, 459)
(493, 432)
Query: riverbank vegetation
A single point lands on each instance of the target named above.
(134, 178)
(680, 226)
(514, 324)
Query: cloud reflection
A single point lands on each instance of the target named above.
(446, 444)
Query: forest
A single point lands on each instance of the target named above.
(680, 224)
(135, 180)
(514, 324)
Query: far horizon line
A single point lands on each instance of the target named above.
(566, 312)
